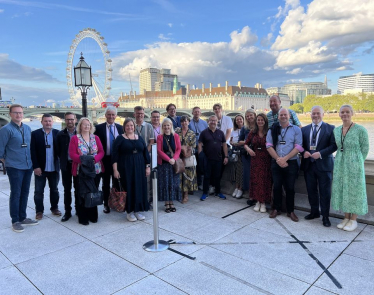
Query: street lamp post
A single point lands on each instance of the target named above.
(83, 80)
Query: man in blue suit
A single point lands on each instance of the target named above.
(46, 165)
(318, 164)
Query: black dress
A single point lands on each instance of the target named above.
(131, 157)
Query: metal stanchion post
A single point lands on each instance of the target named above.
(156, 245)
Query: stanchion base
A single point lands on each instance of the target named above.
(151, 247)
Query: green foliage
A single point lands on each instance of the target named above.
(361, 102)
(298, 108)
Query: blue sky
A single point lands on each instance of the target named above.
(270, 42)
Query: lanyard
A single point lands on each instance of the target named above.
(155, 129)
(315, 137)
(46, 138)
(282, 137)
(342, 138)
(196, 129)
(22, 133)
(137, 131)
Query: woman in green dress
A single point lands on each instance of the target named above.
(188, 178)
(349, 186)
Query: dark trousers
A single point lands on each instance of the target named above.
(106, 177)
(318, 184)
(54, 196)
(67, 180)
(199, 172)
(285, 177)
(212, 175)
(88, 214)
(19, 181)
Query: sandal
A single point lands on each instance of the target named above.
(172, 209)
(168, 209)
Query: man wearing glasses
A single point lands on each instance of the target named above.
(172, 115)
(62, 145)
(15, 140)
(142, 128)
(155, 121)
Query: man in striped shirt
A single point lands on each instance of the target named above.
(275, 105)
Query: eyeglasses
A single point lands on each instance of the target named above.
(69, 119)
(17, 113)
(86, 125)
(154, 117)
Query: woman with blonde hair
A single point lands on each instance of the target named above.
(85, 143)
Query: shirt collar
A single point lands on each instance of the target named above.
(319, 124)
(108, 125)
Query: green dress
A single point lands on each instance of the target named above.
(188, 178)
(349, 185)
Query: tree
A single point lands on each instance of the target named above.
(298, 108)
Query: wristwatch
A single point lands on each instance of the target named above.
(148, 166)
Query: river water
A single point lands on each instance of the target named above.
(368, 125)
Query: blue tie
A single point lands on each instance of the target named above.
(314, 137)
(111, 138)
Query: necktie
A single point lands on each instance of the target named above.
(314, 137)
(111, 138)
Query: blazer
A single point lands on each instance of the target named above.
(62, 147)
(160, 150)
(75, 156)
(326, 146)
(101, 133)
(38, 149)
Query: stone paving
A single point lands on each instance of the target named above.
(242, 253)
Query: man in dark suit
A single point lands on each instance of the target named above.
(107, 132)
(46, 165)
(318, 164)
(63, 141)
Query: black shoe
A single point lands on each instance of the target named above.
(311, 216)
(325, 221)
(84, 223)
(106, 209)
(66, 217)
(251, 202)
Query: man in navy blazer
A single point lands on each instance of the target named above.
(318, 164)
(43, 148)
(107, 132)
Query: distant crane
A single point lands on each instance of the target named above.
(131, 86)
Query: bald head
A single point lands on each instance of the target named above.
(283, 117)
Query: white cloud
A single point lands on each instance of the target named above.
(295, 71)
(245, 37)
(170, 25)
(163, 37)
(266, 41)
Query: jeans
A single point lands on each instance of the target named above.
(212, 175)
(40, 181)
(19, 181)
(285, 177)
(67, 180)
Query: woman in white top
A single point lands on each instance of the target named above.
(238, 165)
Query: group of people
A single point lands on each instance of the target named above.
(267, 162)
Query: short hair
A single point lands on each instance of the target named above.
(236, 125)
(111, 108)
(217, 105)
(314, 107)
(170, 105)
(276, 96)
(138, 108)
(155, 111)
(185, 118)
(127, 120)
(69, 113)
(14, 106)
(195, 108)
(166, 121)
(288, 111)
(78, 128)
(211, 116)
(347, 106)
(246, 123)
(266, 126)
(47, 116)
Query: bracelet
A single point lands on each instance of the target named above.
(148, 166)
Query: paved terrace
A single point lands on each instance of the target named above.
(237, 251)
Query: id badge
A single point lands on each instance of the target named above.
(24, 145)
(135, 151)
(313, 147)
(259, 148)
(282, 142)
(215, 142)
(48, 146)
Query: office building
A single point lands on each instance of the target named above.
(356, 83)
(152, 79)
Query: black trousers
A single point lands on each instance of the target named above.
(212, 175)
(88, 214)
(106, 176)
(318, 184)
(285, 177)
(67, 180)
(199, 172)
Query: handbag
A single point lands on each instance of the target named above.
(190, 161)
(178, 165)
(186, 151)
(93, 199)
(117, 198)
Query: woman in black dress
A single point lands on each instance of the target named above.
(131, 164)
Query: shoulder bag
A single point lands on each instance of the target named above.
(178, 165)
(117, 198)
(93, 199)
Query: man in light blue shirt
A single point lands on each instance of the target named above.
(15, 153)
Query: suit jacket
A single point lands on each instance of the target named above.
(38, 149)
(101, 130)
(326, 146)
(62, 147)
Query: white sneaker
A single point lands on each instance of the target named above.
(212, 190)
(343, 223)
(131, 217)
(139, 216)
(257, 207)
(239, 194)
(350, 226)
(235, 192)
(263, 208)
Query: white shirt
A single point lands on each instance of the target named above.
(226, 123)
(115, 134)
(312, 130)
(235, 135)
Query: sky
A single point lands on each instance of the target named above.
(272, 42)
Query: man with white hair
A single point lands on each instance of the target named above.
(318, 164)
(107, 132)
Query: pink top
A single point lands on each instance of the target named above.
(160, 150)
(75, 155)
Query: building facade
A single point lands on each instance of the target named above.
(356, 83)
(152, 79)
